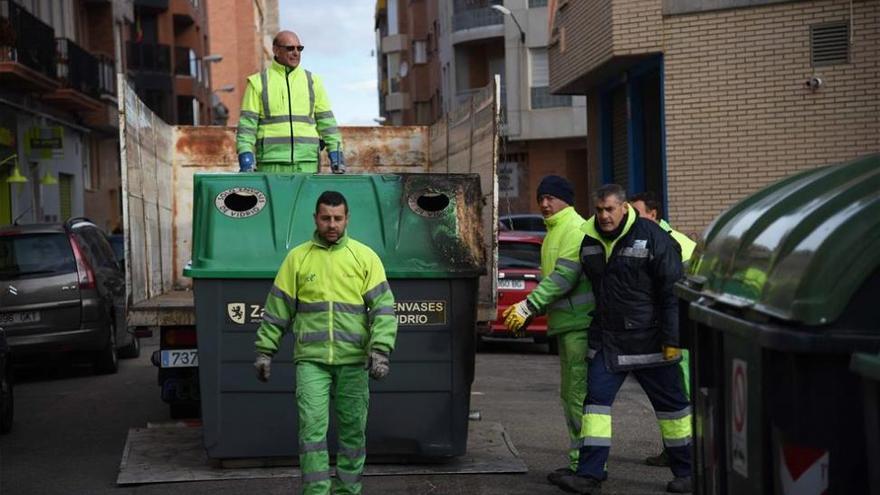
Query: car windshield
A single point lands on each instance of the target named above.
(519, 255)
(35, 254)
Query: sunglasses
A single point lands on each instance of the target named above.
(291, 48)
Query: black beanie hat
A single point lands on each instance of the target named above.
(557, 186)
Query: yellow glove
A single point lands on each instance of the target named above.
(517, 317)
(671, 353)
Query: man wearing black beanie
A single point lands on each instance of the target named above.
(565, 295)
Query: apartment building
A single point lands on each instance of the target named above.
(59, 129)
(58, 125)
(167, 55)
(243, 32)
(435, 55)
(407, 47)
(706, 102)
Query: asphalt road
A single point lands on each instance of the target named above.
(71, 425)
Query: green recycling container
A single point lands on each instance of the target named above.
(426, 230)
(868, 366)
(782, 290)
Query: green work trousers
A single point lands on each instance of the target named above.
(288, 168)
(348, 385)
(573, 386)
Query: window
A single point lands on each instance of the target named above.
(92, 164)
(537, 3)
(519, 255)
(540, 82)
(540, 69)
(420, 52)
(35, 254)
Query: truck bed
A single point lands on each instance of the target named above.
(171, 308)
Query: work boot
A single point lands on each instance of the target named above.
(579, 484)
(554, 476)
(659, 460)
(680, 485)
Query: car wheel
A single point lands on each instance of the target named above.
(553, 346)
(107, 360)
(132, 350)
(7, 402)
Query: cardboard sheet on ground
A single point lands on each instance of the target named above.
(170, 454)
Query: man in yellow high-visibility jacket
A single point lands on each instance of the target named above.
(285, 115)
(331, 292)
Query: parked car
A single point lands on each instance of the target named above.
(7, 403)
(62, 290)
(519, 271)
(531, 223)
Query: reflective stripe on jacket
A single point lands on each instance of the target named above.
(632, 278)
(337, 301)
(563, 293)
(284, 114)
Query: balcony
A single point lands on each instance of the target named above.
(27, 50)
(79, 74)
(154, 5)
(476, 18)
(542, 98)
(149, 57)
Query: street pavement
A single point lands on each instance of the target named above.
(71, 425)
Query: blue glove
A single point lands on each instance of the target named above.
(246, 162)
(337, 162)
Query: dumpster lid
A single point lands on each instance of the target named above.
(420, 225)
(799, 249)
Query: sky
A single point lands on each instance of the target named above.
(339, 39)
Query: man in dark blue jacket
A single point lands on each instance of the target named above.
(632, 264)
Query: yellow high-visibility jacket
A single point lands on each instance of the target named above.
(284, 114)
(337, 301)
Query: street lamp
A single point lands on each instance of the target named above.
(213, 58)
(505, 11)
(15, 177)
(228, 88)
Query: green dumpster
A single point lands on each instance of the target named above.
(868, 366)
(426, 230)
(783, 289)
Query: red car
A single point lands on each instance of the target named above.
(519, 271)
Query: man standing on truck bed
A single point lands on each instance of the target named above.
(285, 115)
(332, 292)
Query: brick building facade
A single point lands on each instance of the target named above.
(707, 104)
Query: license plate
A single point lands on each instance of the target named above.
(17, 318)
(180, 358)
(506, 283)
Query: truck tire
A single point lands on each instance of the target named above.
(132, 350)
(552, 346)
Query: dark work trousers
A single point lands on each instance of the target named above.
(665, 390)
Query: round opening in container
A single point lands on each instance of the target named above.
(433, 202)
(240, 202)
(429, 203)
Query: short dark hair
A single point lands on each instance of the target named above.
(650, 200)
(331, 198)
(610, 190)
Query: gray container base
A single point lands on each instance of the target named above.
(419, 412)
